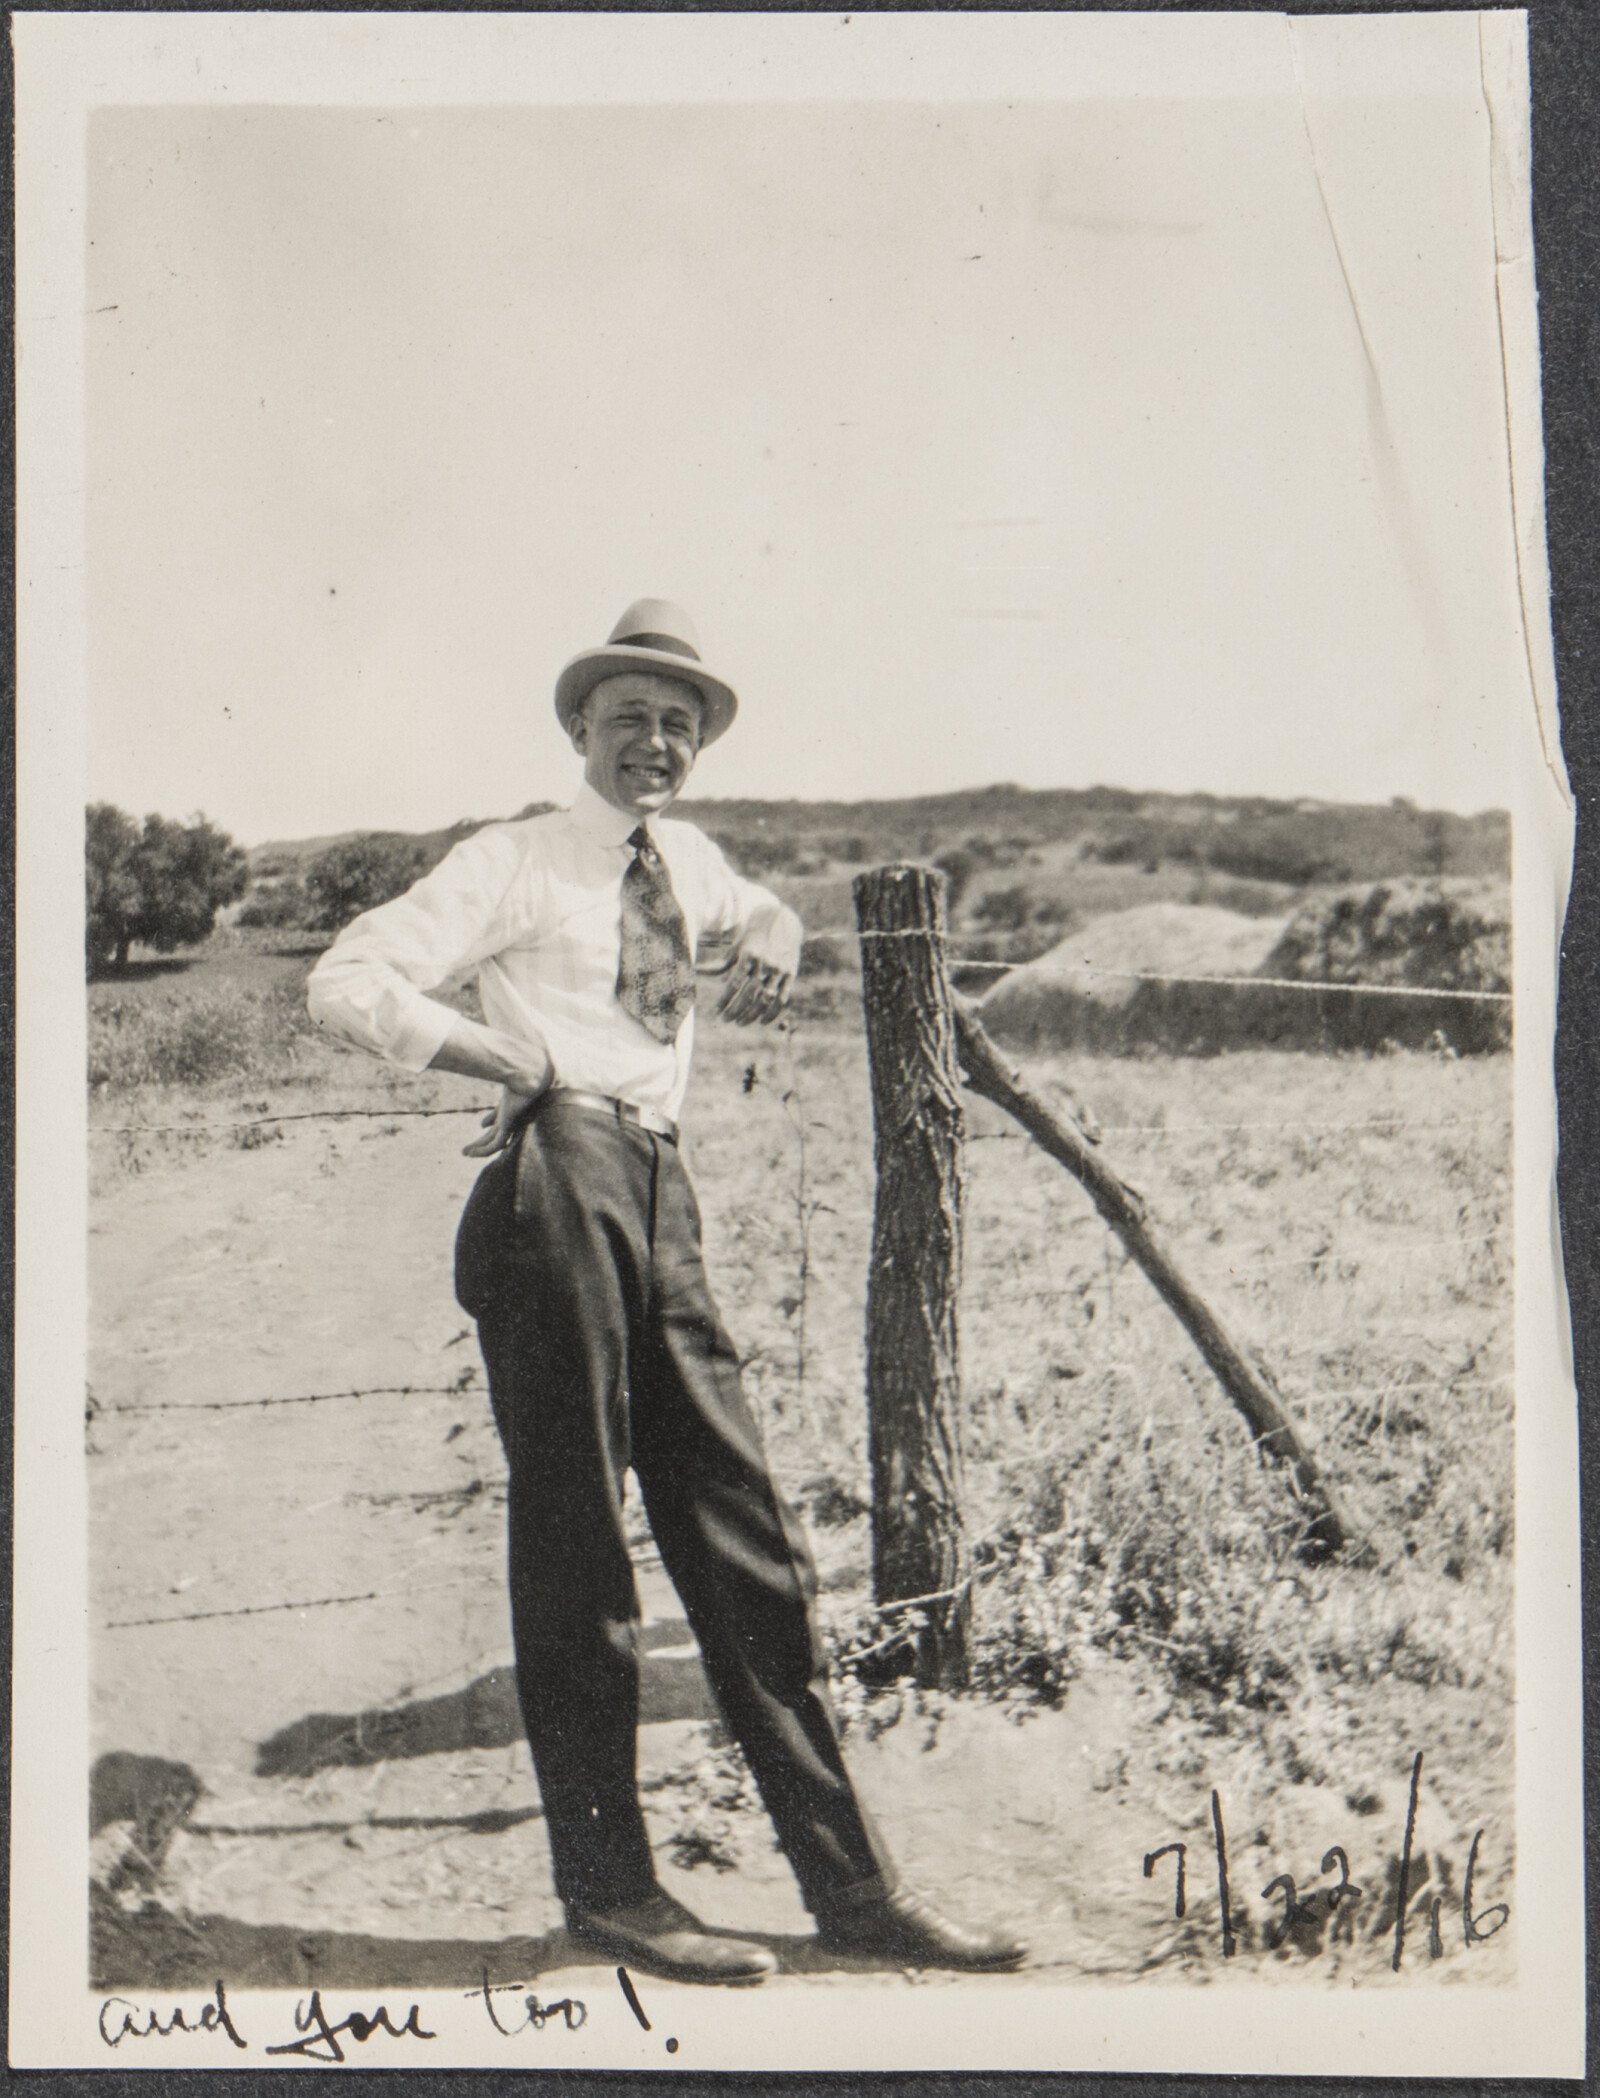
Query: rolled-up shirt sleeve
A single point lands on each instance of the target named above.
(371, 986)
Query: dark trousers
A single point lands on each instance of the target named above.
(579, 1257)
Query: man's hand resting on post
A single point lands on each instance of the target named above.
(521, 1070)
(763, 970)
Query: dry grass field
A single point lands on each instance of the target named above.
(301, 1603)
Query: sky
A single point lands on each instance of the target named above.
(1152, 442)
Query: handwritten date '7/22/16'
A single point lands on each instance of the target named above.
(1476, 1928)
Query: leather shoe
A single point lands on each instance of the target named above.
(905, 1929)
(660, 1936)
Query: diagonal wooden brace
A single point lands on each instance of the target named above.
(1249, 1385)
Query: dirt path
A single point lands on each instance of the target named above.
(303, 1605)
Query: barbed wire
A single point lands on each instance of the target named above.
(387, 1114)
(1372, 1122)
(461, 1389)
(1307, 1402)
(1369, 1393)
(326, 1602)
(1384, 1252)
(329, 1602)
(487, 1821)
(317, 1114)
(1451, 1384)
(321, 1602)
(1042, 966)
(1153, 1129)
(1088, 971)
(647, 1554)
(463, 1581)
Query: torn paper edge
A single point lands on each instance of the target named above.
(1503, 64)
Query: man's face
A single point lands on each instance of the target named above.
(639, 734)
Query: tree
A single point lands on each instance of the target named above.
(162, 885)
(360, 873)
(112, 886)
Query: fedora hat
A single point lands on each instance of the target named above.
(651, 635)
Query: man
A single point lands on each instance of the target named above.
(579, 1257)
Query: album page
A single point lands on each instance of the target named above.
(791, 851)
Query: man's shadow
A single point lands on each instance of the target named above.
(672, 1685)
(144, 1945)
(156, 1948)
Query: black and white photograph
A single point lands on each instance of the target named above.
(786, 1292)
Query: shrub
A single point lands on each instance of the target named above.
(1008, 910)
(273, 906)
(958, 866)
(1250, 899)
(1442, 935)
(1052, 911)
(358, 874)
(1283, 847)
(848, 849)
(765, 855)
(1117, 851)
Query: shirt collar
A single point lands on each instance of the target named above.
(597, 819)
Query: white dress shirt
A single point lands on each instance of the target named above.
(537, 906)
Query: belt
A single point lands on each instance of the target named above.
(602, 1103)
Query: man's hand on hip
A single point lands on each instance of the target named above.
(521, 1069)
(501, 1123)
(763, 971)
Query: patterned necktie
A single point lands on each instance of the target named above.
(655, 970)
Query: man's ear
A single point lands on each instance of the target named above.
(578, 731)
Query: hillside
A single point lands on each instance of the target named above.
(996, 827)
(285, 857)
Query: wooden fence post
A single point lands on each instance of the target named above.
(919, 1546)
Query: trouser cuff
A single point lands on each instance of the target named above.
(608, 1901)
(860, 1894)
